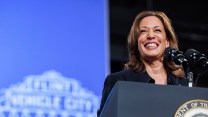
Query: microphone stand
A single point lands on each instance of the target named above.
(190, 78)
(188, 73)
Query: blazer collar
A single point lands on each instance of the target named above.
(145, 77)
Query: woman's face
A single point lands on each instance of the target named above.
(152, 39)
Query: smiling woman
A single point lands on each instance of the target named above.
(150, 34)
(152, 40)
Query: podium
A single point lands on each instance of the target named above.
(133, 99)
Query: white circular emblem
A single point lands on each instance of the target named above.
(193, 108)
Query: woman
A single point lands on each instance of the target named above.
(150, 34)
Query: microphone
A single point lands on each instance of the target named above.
(176, 56)
(196, 59)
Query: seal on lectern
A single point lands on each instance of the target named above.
(193, 108)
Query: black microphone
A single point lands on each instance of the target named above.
(196, 59)
(176, 56)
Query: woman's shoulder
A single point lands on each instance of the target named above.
(183, 81)
(180, 81)
(121, 73)
(128, 75)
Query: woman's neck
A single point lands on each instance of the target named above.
(157, 71)
(154, 67)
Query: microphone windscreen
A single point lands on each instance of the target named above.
(190, 54)
(168, 52)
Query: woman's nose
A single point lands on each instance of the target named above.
(150, 35)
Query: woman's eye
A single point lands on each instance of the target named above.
(143, 30)
(157, 30)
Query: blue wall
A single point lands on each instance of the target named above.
(58, 48)
(68, 36)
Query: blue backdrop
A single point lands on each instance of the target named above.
(68, 36)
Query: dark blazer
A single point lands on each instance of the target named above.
(128, 75)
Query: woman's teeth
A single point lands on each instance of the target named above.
(151, 45)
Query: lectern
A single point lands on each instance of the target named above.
(132, 99)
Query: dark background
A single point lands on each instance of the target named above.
(189, 20)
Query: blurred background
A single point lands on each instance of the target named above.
(189, 19)
(54, 57)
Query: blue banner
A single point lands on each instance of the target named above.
(54, 57)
